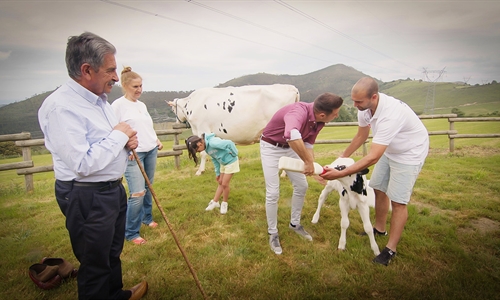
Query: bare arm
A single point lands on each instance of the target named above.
(357, 141)
(159, 143)
(376, 151)
(305, 154)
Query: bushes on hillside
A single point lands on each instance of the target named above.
(458, 112)
(8, 149)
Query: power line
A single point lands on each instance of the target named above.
(277, 32)
(336, 31)
(237, 37)
(208, 29)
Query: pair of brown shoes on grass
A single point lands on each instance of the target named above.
(51, 272)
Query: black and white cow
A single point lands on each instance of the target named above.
(234, 113)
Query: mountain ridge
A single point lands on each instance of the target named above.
(339, 79)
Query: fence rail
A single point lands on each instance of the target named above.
(27, 168)
(455, 135)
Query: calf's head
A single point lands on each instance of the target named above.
(355, 182)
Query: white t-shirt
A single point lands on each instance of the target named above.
(399, 128)
(135, 113)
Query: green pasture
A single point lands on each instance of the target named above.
(450, 248)
(474, 109)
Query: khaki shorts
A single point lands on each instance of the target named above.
(230, 168)
(395, 179)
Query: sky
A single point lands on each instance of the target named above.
(183, 45)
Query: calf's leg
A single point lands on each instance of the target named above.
(321, 200)
(344, 221)
(364, 212)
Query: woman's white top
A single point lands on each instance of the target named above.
(135, 113)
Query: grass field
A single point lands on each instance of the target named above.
(450, 248)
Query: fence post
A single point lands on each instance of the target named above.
(452, 140)
(177, 158)
(28, 178)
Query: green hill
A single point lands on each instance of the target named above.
(337, 79)
(473, 100)
(21, 116)
(477, 100)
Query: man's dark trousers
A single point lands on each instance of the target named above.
(95, 219)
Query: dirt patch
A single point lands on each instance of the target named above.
(485, 225)
(434, 210)
(482, 225)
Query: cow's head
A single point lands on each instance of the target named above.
(179, 111)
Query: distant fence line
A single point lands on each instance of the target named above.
(27, 168)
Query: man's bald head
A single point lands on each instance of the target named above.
(365, 87)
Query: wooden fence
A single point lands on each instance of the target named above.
(27, 168)
(455, 135)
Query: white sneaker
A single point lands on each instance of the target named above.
(212, 204)
(274, 242)
(223, 208)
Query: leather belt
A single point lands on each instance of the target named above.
(101, 186)
(265, 139)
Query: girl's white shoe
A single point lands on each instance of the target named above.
(223, 208)
(212, 204)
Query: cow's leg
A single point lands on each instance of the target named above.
(321, 200)
(203, 159)
(344, 220)
(364, 212)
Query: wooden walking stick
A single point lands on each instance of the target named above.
(168, 224)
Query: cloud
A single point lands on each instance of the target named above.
(185, 45)
(5, 54)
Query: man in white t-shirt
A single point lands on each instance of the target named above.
(399, 147)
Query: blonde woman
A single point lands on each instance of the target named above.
(131, 110)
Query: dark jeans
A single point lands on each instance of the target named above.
(95, 221)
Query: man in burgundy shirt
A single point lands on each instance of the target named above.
(292, 132)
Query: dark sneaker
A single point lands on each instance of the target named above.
(384, 258)
(375, 232)
(274, 242)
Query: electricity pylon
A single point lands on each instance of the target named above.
(431, 91)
